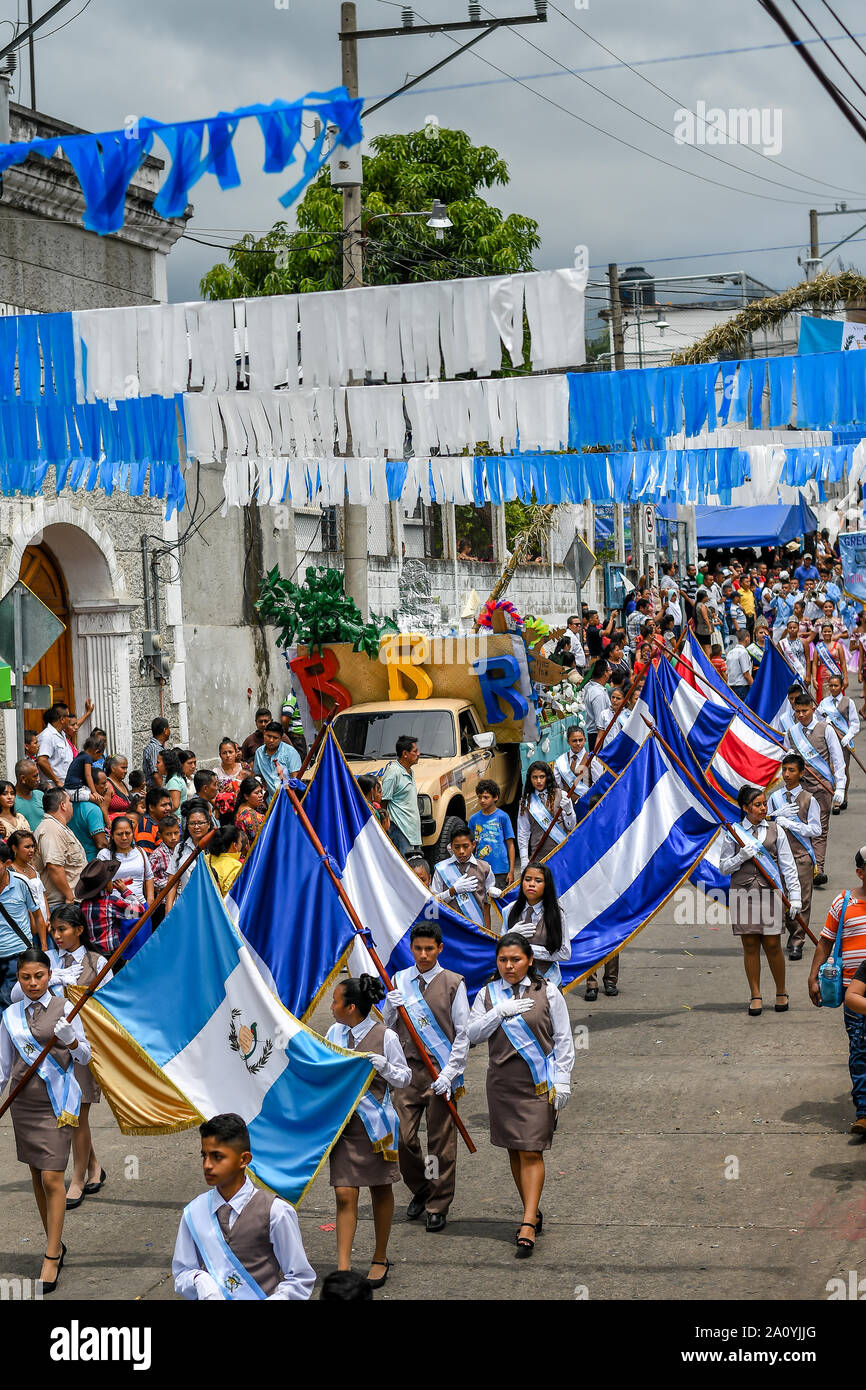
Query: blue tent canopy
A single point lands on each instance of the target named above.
(720, 527)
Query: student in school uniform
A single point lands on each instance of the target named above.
(540, 807)
(237, 1242)
(438, 1006)
(46, 1111)
(818, 744)
(798, 813)
(463, 881)
(536, 914)
(74, 950)
(365, 1155)
(524, 1020)
(571, 769)
(838, 707)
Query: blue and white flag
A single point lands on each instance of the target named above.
(288, 911)
(387, 896)
(768, 694)
(190, 1029)
(625, 859)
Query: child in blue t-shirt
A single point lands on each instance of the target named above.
(493, 831)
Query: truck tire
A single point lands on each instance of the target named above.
(440, 849)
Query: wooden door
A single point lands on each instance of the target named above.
(42, 574)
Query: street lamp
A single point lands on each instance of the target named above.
(439, 221)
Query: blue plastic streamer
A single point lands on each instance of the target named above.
(105, 163)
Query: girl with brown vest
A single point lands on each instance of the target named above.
(75, 951)
(45, 1114)
(365, 1155)
(531, 1055)
(237, 1242)
(755, 898)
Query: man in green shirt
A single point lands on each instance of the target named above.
(88, 820)
(400, 795)
(28, 797)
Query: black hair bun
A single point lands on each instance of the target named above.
(371, 988)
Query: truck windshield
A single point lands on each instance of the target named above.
(373, 734)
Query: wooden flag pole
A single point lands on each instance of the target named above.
(112, 960)
(732, 829)
(317, 742)
(359, 928)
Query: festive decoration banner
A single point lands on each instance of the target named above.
(106, 162)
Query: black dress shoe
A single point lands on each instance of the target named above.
(435, 1221)
(71, 1204)
(844, 806)
(591, 995)
(837, 811)
(417, 1204)
(91, 1187)
(795, 953)
(386, 1265)
(610, 988)
(820, 880)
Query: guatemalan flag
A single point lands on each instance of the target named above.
(749, 751)
(288, 911)
(624, 860)
(387, 896)
(190, 1029)
(768, 693)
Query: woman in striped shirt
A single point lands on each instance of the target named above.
(853, 955)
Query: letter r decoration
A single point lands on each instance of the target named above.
(315, 673)
(498, 676)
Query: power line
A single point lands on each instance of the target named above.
(831, 50)
(851, 36)
(701, 149)
(814, 66)
(751, 149)
(37, 38)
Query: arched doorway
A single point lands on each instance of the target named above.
(43, 575)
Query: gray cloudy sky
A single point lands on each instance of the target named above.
(174, 59)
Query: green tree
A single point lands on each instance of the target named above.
(403, 175)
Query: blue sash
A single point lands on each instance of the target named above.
(540, 813)
(836, 718)
(378, 1117)
(780, 798)
(810, 755)
(63, 1090)
(570, 778)
(467, 902)
(827, 659)
(232, 1279)
(763, 856)
(524, 1041)
(427, 1025)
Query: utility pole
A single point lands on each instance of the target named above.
(32, 57)
(616, 318)
(354, 517)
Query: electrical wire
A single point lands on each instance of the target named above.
(37, 38)
(751, 149)
(831, 50)
(852, 37)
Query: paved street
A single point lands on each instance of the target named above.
(676, 1087)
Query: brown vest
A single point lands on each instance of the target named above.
(536, 831)
(438, 998)
(538, 1018)
(818, 739)
(748, 875)
(42, 1026)
(90, 966)
(250, 1239)
(539, 938)
(374, 1041)
(802, 857)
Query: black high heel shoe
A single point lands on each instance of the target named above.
(525, 1247)
(49, 1285)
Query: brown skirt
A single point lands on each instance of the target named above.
(355, 1163)
(519, 1119)
(38, 1141)
(756, 911)
(90, 1092)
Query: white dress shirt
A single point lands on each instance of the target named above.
(596, 705)
(459, 1017)
(483, 1023)
(396, 1070)
(58, 751)
(732, 856)
(577, 765)
(8, 1050)
(810, 828)
(525, 822)
(834, 748)
(64, 975)
(192, 1280)
(528, 923)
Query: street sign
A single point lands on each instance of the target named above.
(40, 628)
(649, 523)
(579, 561)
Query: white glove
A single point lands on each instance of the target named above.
(494, 892)
(65, 1033)
(395, 999)
(376, 1060)
(562, 1097)
(441, 1086)
(207, 1289)
(467, 883)
(67, 976)
(794, 908)
(748, 852)
(838, 798)
(509, 1008)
